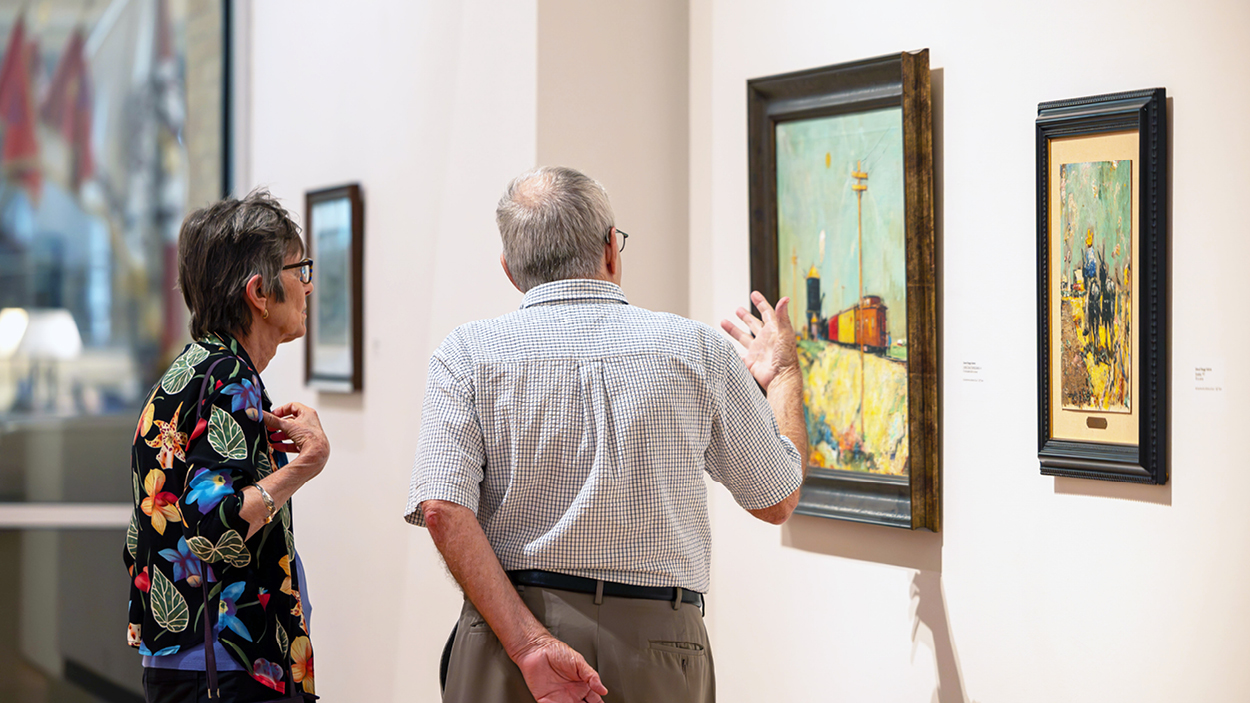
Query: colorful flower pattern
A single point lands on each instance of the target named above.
(245, 397)
(228, 609)
(186, 488)
(208, 488)
(186, 565)
(269, 674)
(302, 663)
(160, 505)
(170, 441)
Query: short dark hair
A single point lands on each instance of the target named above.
(221, 247)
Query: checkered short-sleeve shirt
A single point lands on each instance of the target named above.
(578, 429)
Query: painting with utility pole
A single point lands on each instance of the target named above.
(842, 259)
(1095, 285)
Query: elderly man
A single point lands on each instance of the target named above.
(560, 464)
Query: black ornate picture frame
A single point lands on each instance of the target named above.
(841, 178)
(1102, 178)
(334, 352)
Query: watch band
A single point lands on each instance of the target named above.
(268, 499)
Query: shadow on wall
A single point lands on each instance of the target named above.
(920, 551)
(930, 625)
(1135, 492)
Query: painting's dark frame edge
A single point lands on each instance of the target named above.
(1146, 112)
(842, 495)
(762, 188)
(351, 191)
(227, 98)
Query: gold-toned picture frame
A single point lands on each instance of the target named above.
(841, 178)
(1102, 287)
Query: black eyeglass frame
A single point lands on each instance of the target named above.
(305, 276)
(607, 238)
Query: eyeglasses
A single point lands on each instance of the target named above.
(607, 238)
(305, 270)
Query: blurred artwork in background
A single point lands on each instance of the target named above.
(104, 147)
(843, 263)
(1096, 285)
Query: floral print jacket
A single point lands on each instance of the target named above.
(189, 466)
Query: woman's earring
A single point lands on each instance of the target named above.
(265, 314)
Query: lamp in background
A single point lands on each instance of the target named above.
(46, 338)
(51, 335)
(13, 323)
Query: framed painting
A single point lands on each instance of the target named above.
(841, 168)
(1102, 287)
(335, 348)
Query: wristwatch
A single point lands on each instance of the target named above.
(268, 499)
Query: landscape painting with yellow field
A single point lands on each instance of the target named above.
(843, 262)
(1096, 285)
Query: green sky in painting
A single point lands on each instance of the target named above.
(1097, 195)
(813, 197)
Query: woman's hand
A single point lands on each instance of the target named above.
(297, 429)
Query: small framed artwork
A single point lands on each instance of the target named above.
(841, 169)
(1102, 287)
(335, 348)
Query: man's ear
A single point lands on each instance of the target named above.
(255, 297)
(504, 263)
(611, 256)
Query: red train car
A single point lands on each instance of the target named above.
(863, 325)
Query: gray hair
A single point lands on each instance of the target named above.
(221, 247)
(553, 221)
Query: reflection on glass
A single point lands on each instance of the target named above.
(63, 627)
(332, 330)
(110, 131)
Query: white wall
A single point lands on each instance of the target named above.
(430, 106)
(612, 102)
(1038, 589)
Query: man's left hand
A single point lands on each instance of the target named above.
(768, 344)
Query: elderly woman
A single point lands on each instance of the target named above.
(212, 523)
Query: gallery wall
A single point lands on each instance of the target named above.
(1037, 589)
(612, 102)
(430, 107)
(433, 107)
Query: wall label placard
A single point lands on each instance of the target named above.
(973, 372)
(1209, 379)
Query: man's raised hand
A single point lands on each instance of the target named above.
(768, 344)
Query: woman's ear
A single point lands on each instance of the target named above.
(255, 295)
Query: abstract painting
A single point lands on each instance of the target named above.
(1096, 285)
(1102, 286)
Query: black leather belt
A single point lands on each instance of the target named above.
(578, 584)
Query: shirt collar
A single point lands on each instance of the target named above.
(574, 290)
(229, 344)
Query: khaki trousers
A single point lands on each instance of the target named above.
(644, 650)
